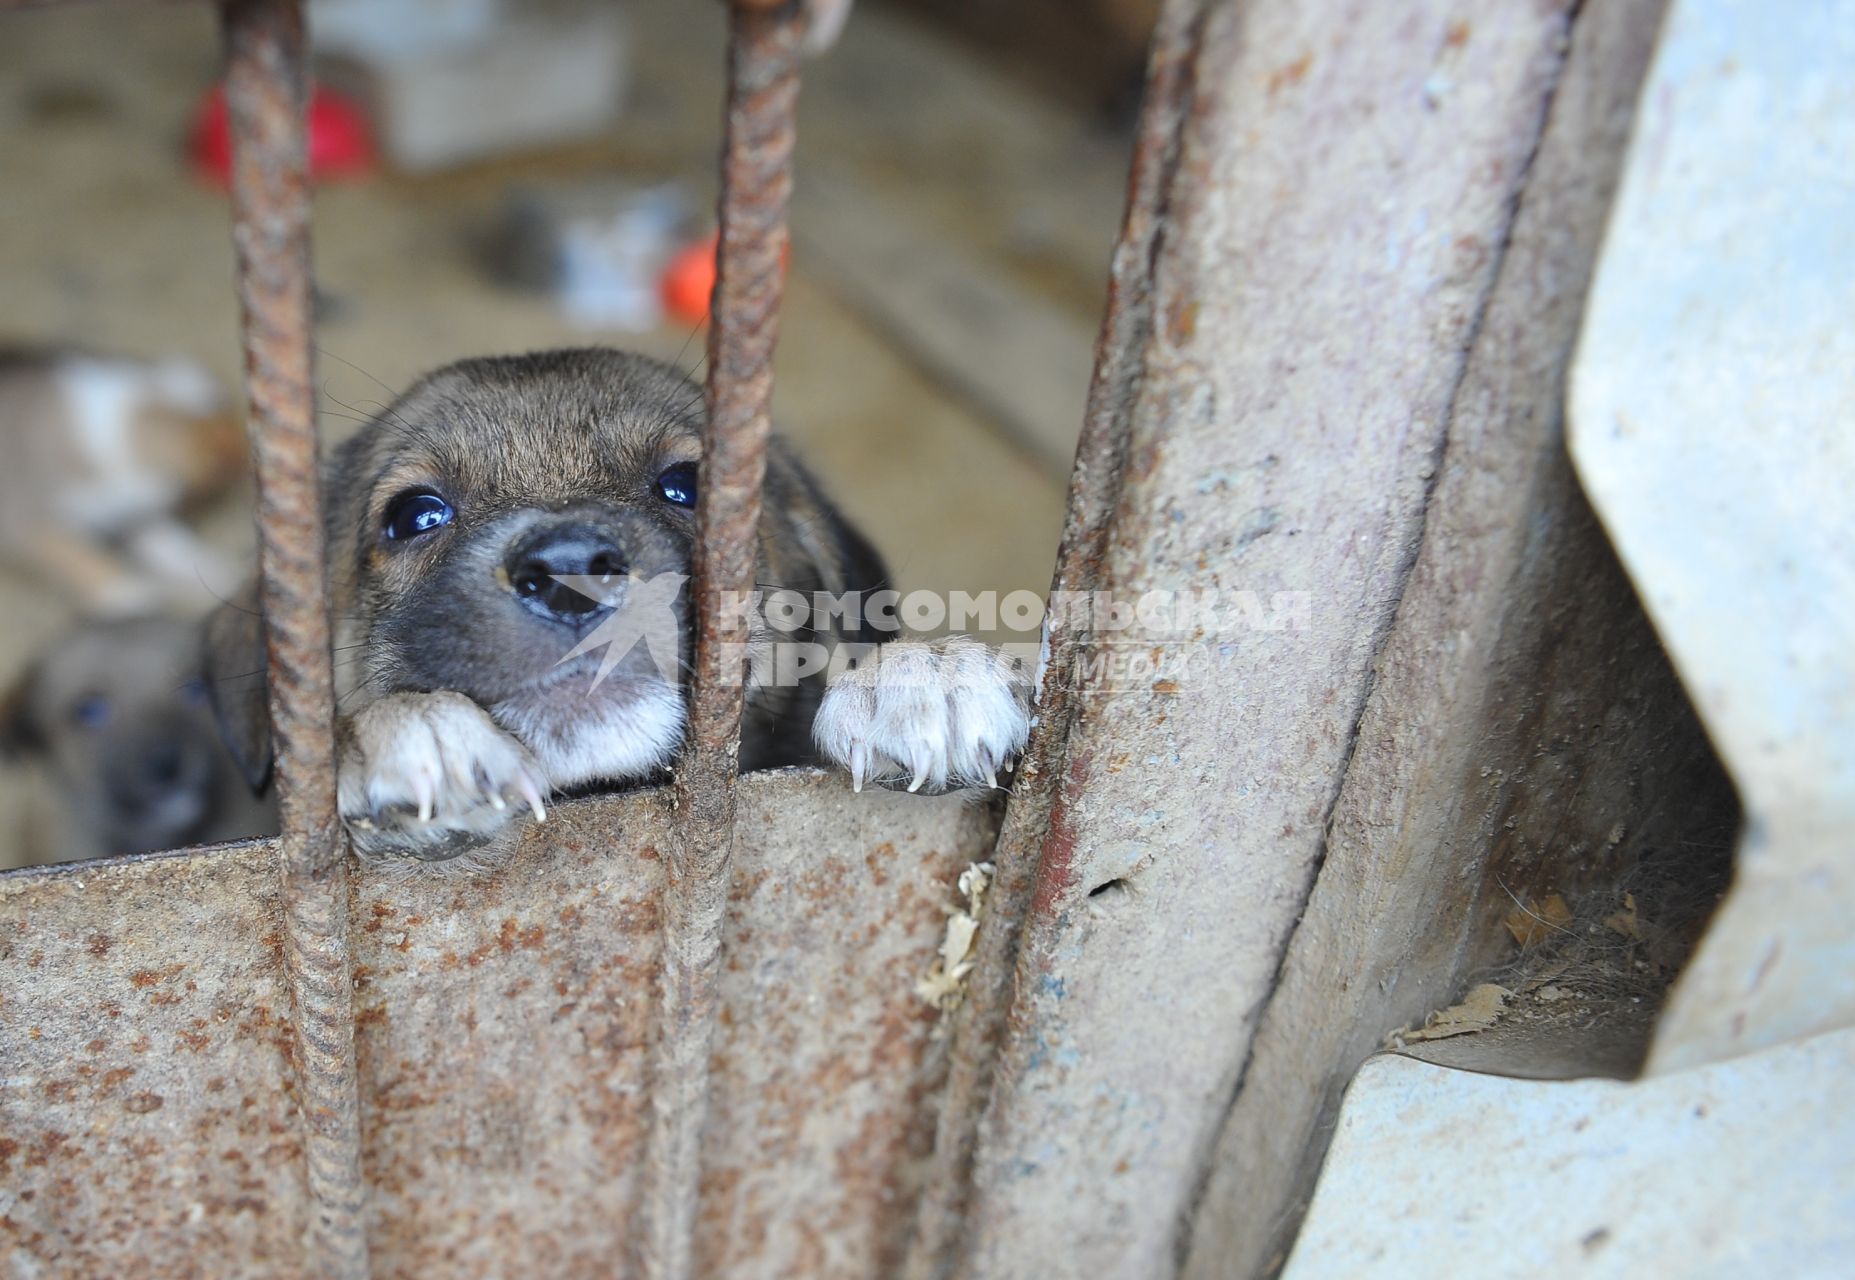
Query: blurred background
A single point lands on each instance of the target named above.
(502, 176)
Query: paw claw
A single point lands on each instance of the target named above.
(530, 794)
(429, 775)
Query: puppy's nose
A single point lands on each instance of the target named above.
(155, 764)
(567, 551)
(162, 764)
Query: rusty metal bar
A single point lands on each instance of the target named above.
(1094, 492)
(266, 96)
(756, 183)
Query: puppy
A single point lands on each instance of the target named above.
(101, 454)
(117, 713)
(508, 546)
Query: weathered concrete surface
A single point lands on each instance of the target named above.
(1711, 425)
(505, 1022)
(1524, 734)
(1737, 1169)
(1345, 187)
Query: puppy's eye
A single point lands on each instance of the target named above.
(678, 484)
(414, 512)
(91, 712)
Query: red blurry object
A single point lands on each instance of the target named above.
(340, 143)
(689, 280)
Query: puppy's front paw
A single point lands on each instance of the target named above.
(430, 776)
(941, 715)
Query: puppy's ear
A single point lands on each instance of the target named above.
(860, 566)
(20, 732)
(238, 685)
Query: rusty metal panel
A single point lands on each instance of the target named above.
(148, 1124)
(827, 1068)
(505, 1022)
(504, 1026)
(1345, 185)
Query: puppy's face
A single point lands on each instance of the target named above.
(455, 515)
(118, 714)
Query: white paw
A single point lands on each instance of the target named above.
(947, 714)
(430, 775)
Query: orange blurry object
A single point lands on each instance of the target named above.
(689, 280)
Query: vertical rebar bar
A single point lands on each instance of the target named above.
(266, 98)
(1094, 492)
(756, 183)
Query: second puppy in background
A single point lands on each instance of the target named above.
(116, 716)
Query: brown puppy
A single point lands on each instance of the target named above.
(117, 714)
(508, 546)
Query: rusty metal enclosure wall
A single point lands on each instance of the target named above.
(504, 1035)
(676, 1034)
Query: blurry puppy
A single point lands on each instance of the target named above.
(101, 454)
(117, 713)
(508, 543)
